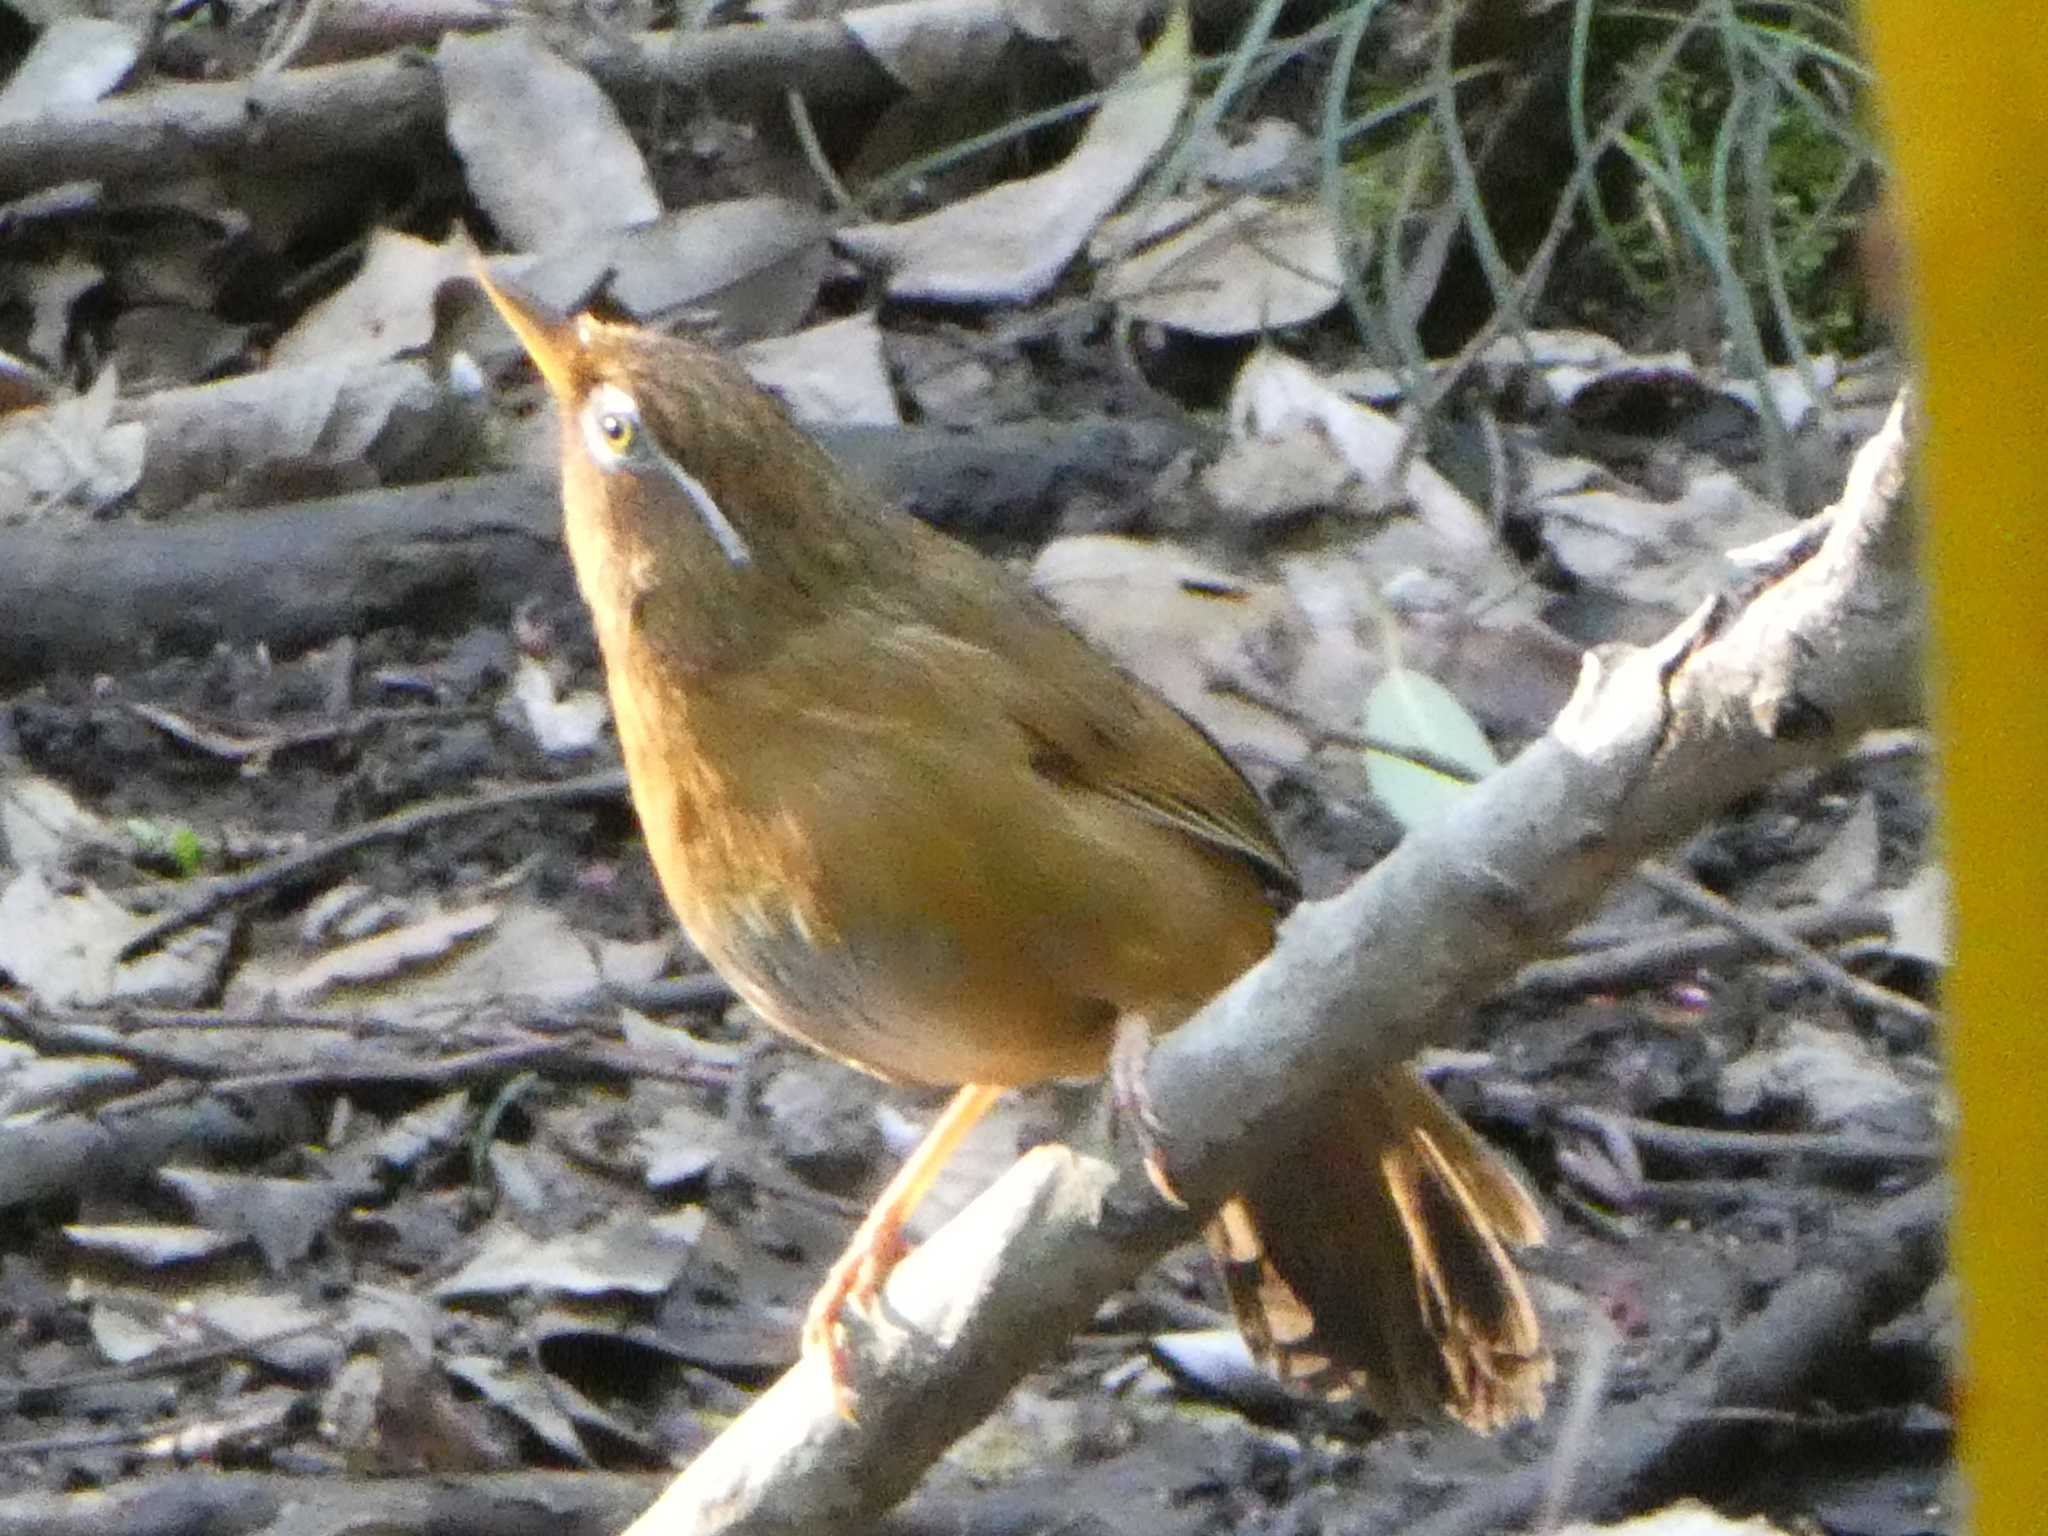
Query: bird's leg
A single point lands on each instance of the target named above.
(856, 1278)
(1129, 1055)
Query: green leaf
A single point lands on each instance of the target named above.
(1411, 709)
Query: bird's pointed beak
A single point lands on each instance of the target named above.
(550, 339)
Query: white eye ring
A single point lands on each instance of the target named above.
(611, 424)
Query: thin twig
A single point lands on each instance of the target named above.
(418, 818)
(1771, 935)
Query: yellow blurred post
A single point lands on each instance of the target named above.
(1965, 88)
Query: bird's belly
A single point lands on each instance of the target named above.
(914, 1005)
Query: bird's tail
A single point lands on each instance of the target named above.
(1373, 1263)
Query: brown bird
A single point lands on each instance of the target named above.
(919, 824)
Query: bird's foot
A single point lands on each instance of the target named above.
(853, 1283)
(1129, 1056)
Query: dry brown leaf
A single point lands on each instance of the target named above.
(1010, 243)
(750, 266)
(385, 311)
(930, 46)
(832, 374)
(76, 61)
(542, 147)
(1222, 266)
(1277, 396)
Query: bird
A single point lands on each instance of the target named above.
(918, 823)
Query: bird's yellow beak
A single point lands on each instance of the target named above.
(550, 339)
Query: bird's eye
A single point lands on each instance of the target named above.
(611, 425)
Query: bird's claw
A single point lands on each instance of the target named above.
(853, 1284)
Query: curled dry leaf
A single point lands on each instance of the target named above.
(1222, 266)
(432, 967)
(542, 146)
(1010, 243)
(1276, 396)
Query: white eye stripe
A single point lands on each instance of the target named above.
(613, 433)
(720, 527)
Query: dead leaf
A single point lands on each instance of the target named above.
(283, 1217)
(1662, 556)
(1177, 622)
(1846, 867)
(640, 1255)
(1835, 1078)
(516, 1392)
(33, 1085)
(62, 943)
(288, 433)
(161, 346)
(389, 955)
(748, 267)
(568, 725)
(385, 311)
(930, 46)
(53, 289)
(543, 149)
(76, 61)
(69, 458)
(433, 967)
(1010, 243)
(1276, 395)
(152, 1245)
(1222, 266)
(1686, 1518)
(42, 825)
(1922, 914)
(830, 375)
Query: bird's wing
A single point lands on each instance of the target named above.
(1090, 724)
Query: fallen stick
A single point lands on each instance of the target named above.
(453, 553)
(391, 105)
